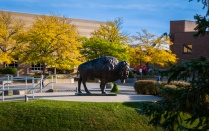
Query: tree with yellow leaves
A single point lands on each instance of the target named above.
(152, 49)
(52, 42)
(9, 29)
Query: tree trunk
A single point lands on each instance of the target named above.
(4, 65)
(147, 68)
(44, 69)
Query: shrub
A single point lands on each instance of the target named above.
(146, 77)
(131, 74)
(115, 88)
(180, 84)
(170, 90)
(177, 89)
(148, 87)
(8, 71)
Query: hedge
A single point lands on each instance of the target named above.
(148, 87)
(8, 71)
(164, 89)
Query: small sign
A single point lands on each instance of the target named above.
(140, 70)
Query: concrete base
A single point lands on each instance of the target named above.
(95, 94)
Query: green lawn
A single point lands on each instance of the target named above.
(38, 115)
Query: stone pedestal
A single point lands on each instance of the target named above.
(95, 94)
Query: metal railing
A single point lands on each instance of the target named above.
(42, 79)
(11, 79)
(7, 80)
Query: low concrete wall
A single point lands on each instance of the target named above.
(14, 92)
(19, 92)
(71, 80)
(8, 92)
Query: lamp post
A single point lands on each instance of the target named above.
(140, 68)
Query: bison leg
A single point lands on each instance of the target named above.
(85, 87)
(79, 85)
(102, 87)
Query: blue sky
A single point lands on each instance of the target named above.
(152, 15)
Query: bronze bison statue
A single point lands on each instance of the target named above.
(106, 69)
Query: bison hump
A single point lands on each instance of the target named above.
(100, 63)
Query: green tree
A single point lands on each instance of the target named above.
(111, 31)
(9, 28)
(107, 41)
(96, 47)
(192, 100)
(52, 42)
(202, 27)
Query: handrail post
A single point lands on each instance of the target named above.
(55, 78)
(7, 82)
(26, 83)
(42, 77)
(33, 87)
(2, 91)
(52, 81)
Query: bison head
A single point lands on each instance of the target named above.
(124, 70)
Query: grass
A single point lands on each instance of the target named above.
(42, 115)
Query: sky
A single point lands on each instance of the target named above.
(151, 15)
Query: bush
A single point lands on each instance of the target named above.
(176, 89)
(131, 74)
(148, 87)
(179, 84)
(8, 71)
(146, 77)
(169, 90)
(115, 88)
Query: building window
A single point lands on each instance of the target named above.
(12, 65)
(37, 67)
(187, 48)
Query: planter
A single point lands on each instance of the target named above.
(131, 80)
(109, 86)
(117, 82)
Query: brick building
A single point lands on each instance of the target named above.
(185, 45)
(84, 28)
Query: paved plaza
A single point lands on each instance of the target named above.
(66, 92)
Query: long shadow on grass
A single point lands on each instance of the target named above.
(30, 97)
(144, 98)
(140, 107)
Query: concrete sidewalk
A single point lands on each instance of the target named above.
(66, 92)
